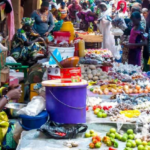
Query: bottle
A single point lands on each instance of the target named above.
(81, 48)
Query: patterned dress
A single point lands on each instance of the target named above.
(20, 51)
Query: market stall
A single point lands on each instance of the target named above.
(84, 100)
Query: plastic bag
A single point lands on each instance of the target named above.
(36, 106)
(61, 131)
(116, 31)
(10, 60)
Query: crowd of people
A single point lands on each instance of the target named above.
(86, 15)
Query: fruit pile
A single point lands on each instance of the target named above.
(100, 112)
(91, 133)
(96, 142)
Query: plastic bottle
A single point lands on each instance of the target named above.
(81, 48)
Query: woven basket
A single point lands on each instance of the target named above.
(91, 38)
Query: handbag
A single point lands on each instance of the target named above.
(63, 131)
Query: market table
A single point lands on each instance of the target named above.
(35, 140)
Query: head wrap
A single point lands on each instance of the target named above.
(75, 1)
(62, 3)
(28, 21)
(125, 5)
(91, 1)
(104, 4)
(137, 5)
(45, 4)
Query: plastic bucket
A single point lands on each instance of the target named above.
(61, 36)
(66, 103)
(69, 75)
(30, 122)
(66, 52)
(53, 73)
(120, 60)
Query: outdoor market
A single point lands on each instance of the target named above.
(74, 74)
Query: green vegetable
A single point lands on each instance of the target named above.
(91, 89)
(115, 144)
(148, 143)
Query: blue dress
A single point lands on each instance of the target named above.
(43, 22)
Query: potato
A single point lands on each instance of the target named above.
(98, 74)
(95, 78)
(86, 78)
(92, 67)
(89, 71)
(85, 74)
(94, 73)
(90, 76)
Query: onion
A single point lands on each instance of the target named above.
(137, 87)
(126, 87)
(146, 91)
(135, 91)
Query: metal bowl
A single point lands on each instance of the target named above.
(13, 108)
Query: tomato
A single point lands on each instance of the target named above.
(110, 107)
(87, 108)
(105, 107)
(94, 107)
(99, 107)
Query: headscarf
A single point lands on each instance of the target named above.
(125, 5)
(28, 21)
(45, 4)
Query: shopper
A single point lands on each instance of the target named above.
(104, 26)
(63, 10)
(145, 12)
(122, 9)
(43, 20)
(73, 9)
(136, 40)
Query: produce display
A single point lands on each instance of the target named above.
(97, 58)
(93, 73)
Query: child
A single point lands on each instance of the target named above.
(145, 12)
(63, 10)
(136, 41)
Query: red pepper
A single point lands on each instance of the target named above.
(60, 134)
(110, 107)
(87, 108)
(110, 148)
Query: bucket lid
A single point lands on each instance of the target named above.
(43, 114)
(53, 83)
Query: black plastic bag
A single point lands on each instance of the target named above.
(63, 131)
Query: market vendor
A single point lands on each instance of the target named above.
(6, 135)
(44, 23)
(23, 49)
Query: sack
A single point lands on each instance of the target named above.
(61, 131)
(116, 31)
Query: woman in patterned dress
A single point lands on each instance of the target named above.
(23, 48)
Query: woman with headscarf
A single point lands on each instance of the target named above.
(73, 9)
(104, 27)
(122, 9)
(44, 23)
(23, 48)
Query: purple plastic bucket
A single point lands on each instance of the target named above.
(66, 104)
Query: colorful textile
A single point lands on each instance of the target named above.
(63, 13)
(4, 124)
(28, 21)
(73, 9)
(134, 56)
(20, 51)
(125, 5)
(11, 24)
